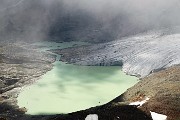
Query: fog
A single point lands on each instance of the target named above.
(84, 20)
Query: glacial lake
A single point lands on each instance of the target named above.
(69, 88)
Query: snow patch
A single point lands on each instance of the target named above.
(92, 117)
(140, 103)
(156, 116)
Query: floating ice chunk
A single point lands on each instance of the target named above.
(140, 102)
(156, 116)
(92, 117)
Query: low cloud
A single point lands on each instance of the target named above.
(83, 19)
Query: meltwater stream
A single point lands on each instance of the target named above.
(69, 88)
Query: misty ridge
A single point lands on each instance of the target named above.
(83, 20)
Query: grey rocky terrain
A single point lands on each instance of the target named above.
(20, 65)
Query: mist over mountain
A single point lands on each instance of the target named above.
(92, 21)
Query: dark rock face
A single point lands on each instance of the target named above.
(106, 112)
(9, 81)
(7, 110)
(79, 26)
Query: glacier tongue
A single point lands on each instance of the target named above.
(140, 54)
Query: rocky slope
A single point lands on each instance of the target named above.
(140, 55)
(163, 89)
(20, 65)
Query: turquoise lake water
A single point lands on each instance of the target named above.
(69, 88)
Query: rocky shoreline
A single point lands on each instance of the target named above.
(20, 65)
